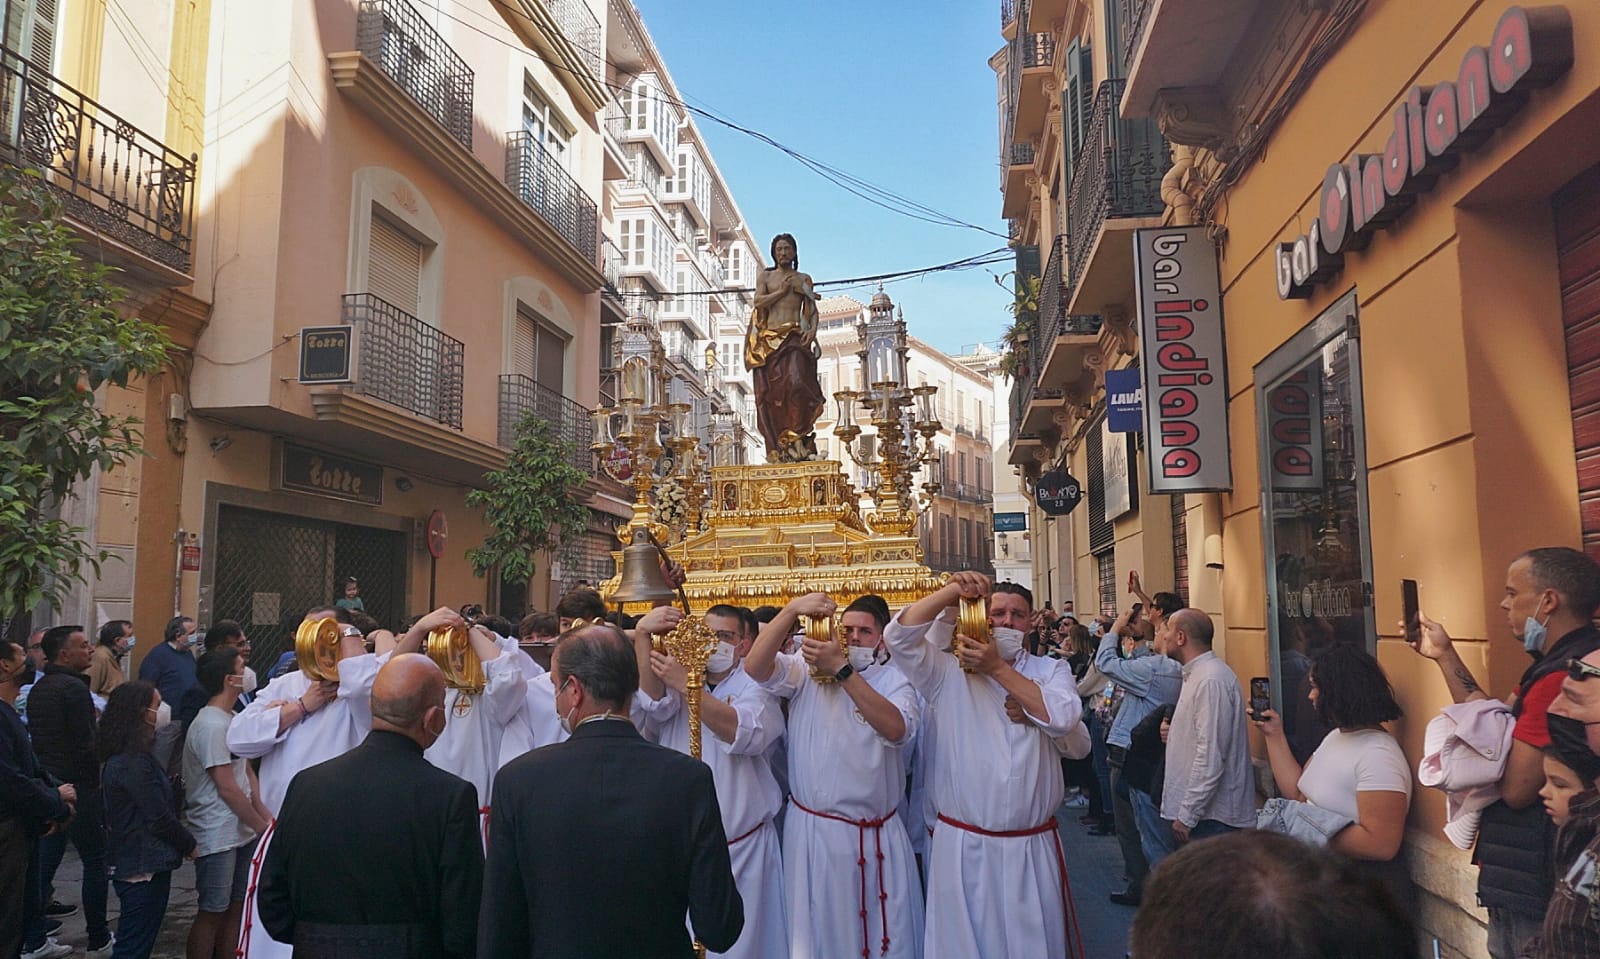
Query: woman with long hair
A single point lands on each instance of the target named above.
(146, 842)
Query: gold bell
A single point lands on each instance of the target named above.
(316, 649)
(640, 580)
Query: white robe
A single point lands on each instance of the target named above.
(535, 723)
(475, 724)
(997, 896)
(747, 795)
(839, 766)
(329, 732)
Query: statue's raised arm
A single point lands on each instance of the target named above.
(779, 353)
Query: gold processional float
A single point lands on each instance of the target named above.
(763, 534)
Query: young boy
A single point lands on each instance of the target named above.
(1561, 785)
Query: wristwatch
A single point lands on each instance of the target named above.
(844, 673)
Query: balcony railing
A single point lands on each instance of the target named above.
(394, 36)
(1117, 173)
(1052, 303)
(113, 178)
(968, 492)
(577, 21)
(1022, 154)
(1038, 49)
(569, 421)
(615, 120)
(539, 179)
(611, 268)
(1134, 14)
(1008, 12)
(405, 361)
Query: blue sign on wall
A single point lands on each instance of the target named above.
(1010, 522)
(1124, 401)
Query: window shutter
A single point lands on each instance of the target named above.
(551, 350)
(394, 265)
(1077, 105)
(524, 346)
(30, 29)
(1102, 535)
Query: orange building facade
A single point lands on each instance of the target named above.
(1404, 204)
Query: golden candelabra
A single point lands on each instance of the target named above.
(902, 445)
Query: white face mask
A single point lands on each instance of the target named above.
(1009, 642)
(861, 657)
(722, 660)
(249, 680)
(163, 714)
(566, 720)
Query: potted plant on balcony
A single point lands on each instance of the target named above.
(534, 505)
(1024, 306)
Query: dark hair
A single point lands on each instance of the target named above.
(498, 625)
(726, 611)
(363, 621)
(582, 603)
(541, 624)
(214, 668)
(875, 606)
(338, 614)
(224, 632)
(748, 624)
(601, 658)
(772, 249)
(6, 647)
(55, 638)
(1352, 689)
(1280, 898)
(1195, 625)
(1168, 603)
(1016, 589)
(766, 614)
(175, 628)
(351, 581)
(111, 631)
(1569, 572)
(122, 727)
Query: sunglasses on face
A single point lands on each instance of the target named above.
(1579, 670)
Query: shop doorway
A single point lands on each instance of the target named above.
(272, 567)
(1314, 508)
(1577, 220)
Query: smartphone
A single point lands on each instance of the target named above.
(1260, 696)
(1411, 608)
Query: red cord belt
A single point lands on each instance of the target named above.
(755, 829)
(243, 947)
(862, 825)
(1075, 935)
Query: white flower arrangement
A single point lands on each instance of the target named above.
(671, 506)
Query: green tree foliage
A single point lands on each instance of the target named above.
(534, 505)
(62, 337)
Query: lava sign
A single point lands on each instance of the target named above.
(1057, 493)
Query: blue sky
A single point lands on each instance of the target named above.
(896, 93)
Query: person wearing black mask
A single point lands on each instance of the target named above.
(1551, 594)
(30, 806)
(1571, 926)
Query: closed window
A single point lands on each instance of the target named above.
(544, 124)
(394, 265)
(539, 351)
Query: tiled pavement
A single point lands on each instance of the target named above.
(1094, 867)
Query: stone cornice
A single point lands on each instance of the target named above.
(533, 24)
(364, 83)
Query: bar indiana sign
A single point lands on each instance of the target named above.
(1530, 48)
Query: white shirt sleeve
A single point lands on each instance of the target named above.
(1382, 767)
(254, 731)
(760, 722)
(788, 672)
(1060, 692)
(916, 656)
(506, 687)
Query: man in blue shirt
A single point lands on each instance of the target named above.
(170, 666)
(1149, 681)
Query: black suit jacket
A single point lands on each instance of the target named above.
(598, 846)
(376, 853)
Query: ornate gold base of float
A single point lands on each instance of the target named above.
(781, 530)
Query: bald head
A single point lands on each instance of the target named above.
(406, 688)
(1186, 634)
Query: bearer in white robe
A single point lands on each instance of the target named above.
(996, 869)
(741, 720)
(476, 722)
(296, 723)
(848, 867)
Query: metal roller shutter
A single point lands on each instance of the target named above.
(394, 265)
(1577, 222)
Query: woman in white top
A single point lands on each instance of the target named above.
(1358, 770)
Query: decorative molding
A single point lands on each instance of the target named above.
(1195, 116)
(181, 314)
(534, 25)
(1118, 333)
(368, 86)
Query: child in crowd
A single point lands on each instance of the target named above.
(1561, 784)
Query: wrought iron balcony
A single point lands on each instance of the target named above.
(1132, 17)
(1008, 12)
(114, 178)
(569, 420)
(394, 36)
(1022, 154)
(578, 22)
(1117, 173)
(405, 361)
(611, 268)
(539, 179)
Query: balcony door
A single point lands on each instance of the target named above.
(30, 30)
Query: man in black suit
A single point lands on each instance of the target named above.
(402, 880)
(599, 845)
